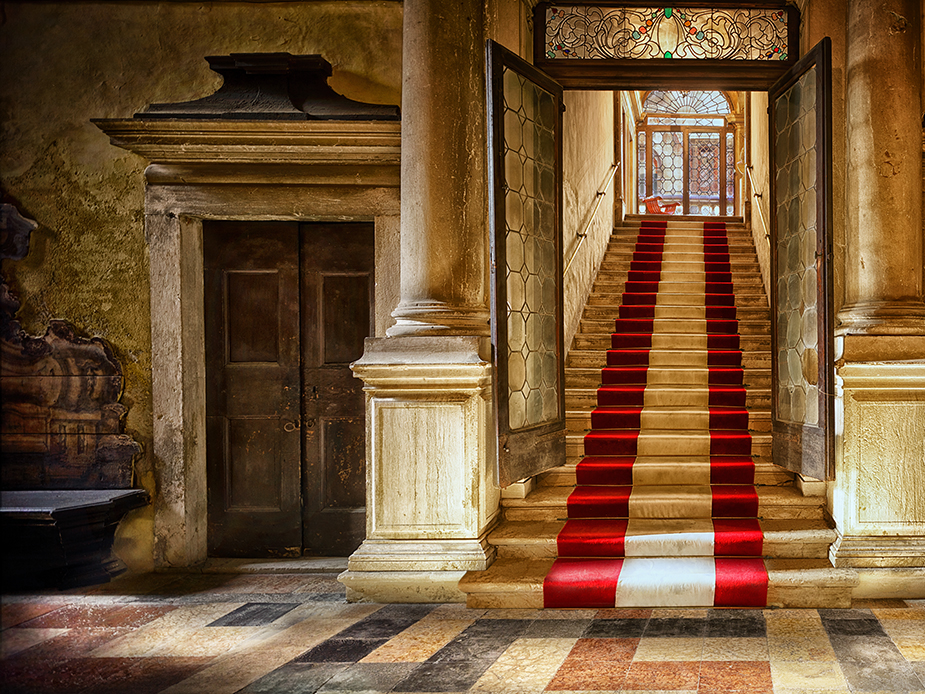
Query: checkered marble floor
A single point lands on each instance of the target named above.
(250, 633)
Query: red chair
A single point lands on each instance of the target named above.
(654, 205)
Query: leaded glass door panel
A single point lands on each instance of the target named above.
(525, 112)
(801, 257)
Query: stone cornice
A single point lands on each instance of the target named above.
(191, 142)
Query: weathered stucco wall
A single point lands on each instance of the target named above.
(65, 63)
(587, 155)
(760, 163)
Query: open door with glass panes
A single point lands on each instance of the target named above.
(525, 158)
(800, 107)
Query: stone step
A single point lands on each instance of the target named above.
(581, 398)
(742, 301)
(774, 503)
(683, 442)
(579, 421)
(676, 311)
(766, 474)
(670, 325)
(600, 341)
(782, 538)
(792, 583)
(590, 377)
(597, 358)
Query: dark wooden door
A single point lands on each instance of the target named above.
(337, 303)
(253, 446)
(287, 308)
(803, 386)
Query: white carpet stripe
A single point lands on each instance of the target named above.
(662, 442)
(696, 419)
(666, 582)
(669, 538)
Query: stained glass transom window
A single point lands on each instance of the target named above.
(688, 102)
(798, 342)
(593, 32)
(530, 237)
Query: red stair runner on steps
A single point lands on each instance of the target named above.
(602, 537)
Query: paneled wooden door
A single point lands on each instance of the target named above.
(287, 307)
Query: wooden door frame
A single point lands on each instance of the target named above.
(302, 171)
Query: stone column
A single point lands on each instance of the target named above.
(444, 289)
(431, 494)
(884, 256)
(876, 497)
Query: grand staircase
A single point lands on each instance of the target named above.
(669, 496)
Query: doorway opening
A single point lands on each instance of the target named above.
(287, 308)
(686, 152)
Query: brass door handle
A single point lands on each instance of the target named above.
(289, 427)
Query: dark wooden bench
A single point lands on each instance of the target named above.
(66, 467)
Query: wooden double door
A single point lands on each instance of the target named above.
(287, 309)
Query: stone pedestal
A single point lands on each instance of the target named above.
(430, 469)
(878, 497)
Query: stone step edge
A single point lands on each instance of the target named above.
(795, 583)
(546, 498)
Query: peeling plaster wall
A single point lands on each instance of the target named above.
(65, 63)
(587, 155)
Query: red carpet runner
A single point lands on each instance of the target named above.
(665, 509)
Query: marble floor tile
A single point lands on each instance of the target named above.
(623, 613)
(675, 627)
(295, 677)
(904, 628)
(740, 676)
(807, 675)
(74, 643)
(883, 613)
(670, 648)
(234, 671)
(456, 611)
(753, 649)
(853, 627)
(18, 640)
(15, 613)
(367, 677)
(865, 649)
(337, 650)
(420, 641)
(529, 664)
(736, 628)
(616, 628)
(663, 675)
(98, 616)
(798, 649)
(881, 676)
(605, 649)
(585, 675)
(175, 642)
(912, 649)
(446, 676)
(784, 627)
(254, 614)
(557, 628)
(680, 613)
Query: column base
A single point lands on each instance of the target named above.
(423, 555)
(894, 551)
(423, 318)
(882, 318)
(880, 584)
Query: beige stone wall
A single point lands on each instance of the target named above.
(587, 156)
(758, 158)
(65, 63)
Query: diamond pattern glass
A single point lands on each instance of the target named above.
(794, 115)
(530, 242)
(704, 162)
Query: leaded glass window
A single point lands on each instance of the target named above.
(686, 102)
(595, 32)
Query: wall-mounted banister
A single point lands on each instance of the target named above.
(599, 198)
